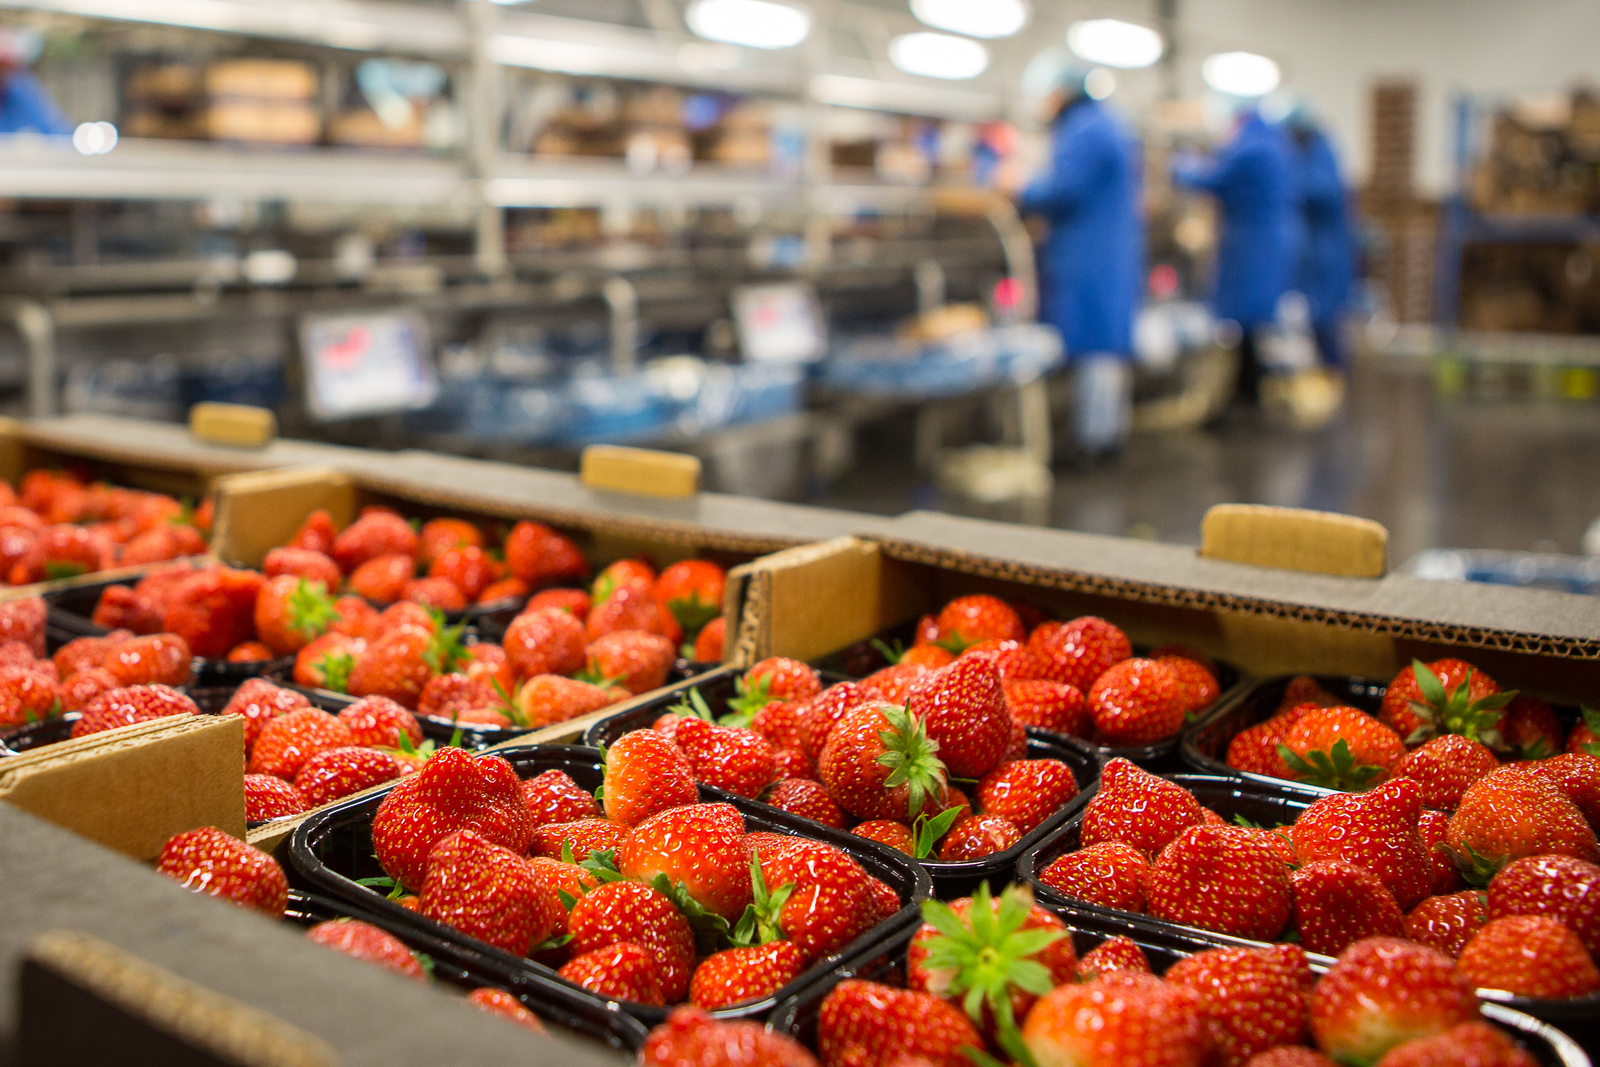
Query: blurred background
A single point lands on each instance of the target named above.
(1089, 264)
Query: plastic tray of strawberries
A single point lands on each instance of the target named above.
(1276, 804)
(796, 1017)
(333, 847)
(950, 879)
(553, 1001)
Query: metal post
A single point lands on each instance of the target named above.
(483, 147)
(622, 302)
(35, 325)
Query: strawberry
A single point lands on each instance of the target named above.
(635, 660)
(1015, 661)
(1340, 748)
(808, 799)
(867, 1023)
(326, 663)
(691, 1038)
(1111, 955)
(158, 658)
(1529, 956)
(288, 741)
(727, 757)
(317, 533)
(338, 772)
(1445, 696)
(1577, 774)
(1136, 702)
(1557, 887)
(1447, 923)
(1136, 808)
(619, 574)
(83, 653)
(367, 943)
(700, 847)
(1530, 728)
(439, 593)
(383, 578)
(23, 620)
(124, 707)
(1196, 682)
(976, 837)
(1383, 992)
(930, 657)
(879, 763)
(1079, 651)
(357, 618)
(27, 693)
(73, 550)
(485, 891)
(820, 714)
(1304, 689)
(646, 774)
(1375, 830)
(1053, 706)
(887, 832)
(1124, 1019)
(1223, 879)
(399, 663)
(379, 722)
(777, 678)
(1255, 748)
(736, 975)
(1251, 999)
(580, 836)
(620, 971)
(779, 722)
(894, 683)
(708, 645)
(630, 608)
(549, 698)
(267, 797)
(469, 568)
(438, 536)
(1510, 814)
(1475, 1043)
(691, 592)
(544, 641)
(539, 556)
(305, 563)
(1109, 874)
(633, 912)
(968, 620)
(1434, 829)
(1026, 792)
(211, 862)
(499, 1003)
(447, 696)
(213, 610)
(554, 797)
(374, 534)
(160, 544)
(1444, 767)
(290, 611)
(1336, 905)
(963, 710)
(509, 589)
(249, 652)
(453, 791)
(1584, 738)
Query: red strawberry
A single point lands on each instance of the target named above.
(380, 722)
(880, 764)
(439, 536)
(736, 975)
(1383, 992)
(632, 659)
(365, 942)
(728, 757)
(291, 611)
(931, 657)
(1336, 904)
(258, 701)
(545, 641)
(701, 847)
(645, 774)
(708, 645)
(249, 652)
(1136, 808)
(1196, 682)
(453, 791)
(896, 835)
(621, 573)
(894, 683)
(1255, 748)
(1530, 728)
(1376, 830)
(779, 723)
(81, 688)
(317, 533)
(305, 563)
(440, 593)
(1434, 829)
(1585, 736)
(1079, 651)
(266, 797)
(691, 592)
(580, 836)
(976, 837)
(629, 911)
(869, 1024)
(1530, 956)
(1123, 1019)
(28, 693)
(499, 1003)
(485, 891)
(326, 663)
(1510, 814)
(1476, 1043)
(1136, 702)
(1016, 662)
(1048, 705)
(621, 971)
(691, 1038)
(339, 772)
(1447, 923)
(510, 589)
(630, 608)
(1341, 748)
(1108, 874)
(540, 556)
(822, 713)
(1223, 879)
(1251, 999)
(158, 658)
(468, 567)
(968, 620)
(1026, 792)
(1558, 887)
(124, 707)
(374, 534)
(963, 709)
(1111, 955)
(779, 678)
(1577, 774)
(1289, 1056)
(791, 763)
(213, 610)
(808, 799)
(554, 797)
(357, 618)
(83, 653)
(23, 620)
(1444, 767)
(288, 741)
(211, 862)
(549, 698)
(1445, 696)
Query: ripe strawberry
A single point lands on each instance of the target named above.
(1383, 992)
(1289, 1056)
(291, 611)
(621, 971)
(1530, 956)
(544, 641)
(1014, 659)
(791, 763)
(632, 659)
(1109, 874)
(549, 698)
(213, 610)
(374, 534)
(259, 701)
(963, 710)
(691, 592)
(1510, 814)
(326, 663)
(976, 837)
(28, 693)
(930, 657)
(894, 683)
(1336, 905)
(338, 772)
(1026, 792)
(1079, 651)
(820, 714)
(485, 891)
(1475, 1043)
(645, 774)
(1053, 706)
(398, 664)
(633, 912)
(1585, 736)
(499, 1003)
(630, 608)
(1123, 1019)
(880, 764)
(700, 847)
(211, 862)
(1112, 955)
(1530, 728)
(159, 658)
(708, 646)
(540, 556)
(1558, 887)
(867, 1023)
(383, 578)
(580, 836)
(266, 797)
(1197, 682)
(727, 757)
(1255, 748)
(554, 797)
(453, 791)
(509, 589)
(305, 563)
(439, 593)
(778, 678)
(808, 799)
(1220, 878)
(736, 975)
(357, 618)
(895, 835)
(23, 620)
(380, 723)
(249, 652)
(1136, 702)
(1445, 696)
(162, 543)
(1376, 830)
(779, 723)
(968, 620)
(1577, 774)
(73, 550)
(126, 706)
(365, 942)
(691, 1038)
(621, 573)
(1444, 767)
(1447, 923)
(288, 741)
(1250, 999)
(438, 536)
(1434, 829)
(316, 533)
(468, 567)
(83, 653)
(1341, 748)
(1136, 808)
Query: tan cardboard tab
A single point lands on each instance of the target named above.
(1295, 539)
(132, 788)
(260, 510)
(640, 470)
(234, 425)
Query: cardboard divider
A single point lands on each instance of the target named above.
(1295, 539)
(234, 425)
(639, 470)
(132, 788)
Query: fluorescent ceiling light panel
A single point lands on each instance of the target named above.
(938, 55)
(975, 18)
(1240, 73)
(752, 23)
(1114, 43)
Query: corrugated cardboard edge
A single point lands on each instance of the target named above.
(1295, 539)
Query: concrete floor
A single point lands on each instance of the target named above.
(1467, 474)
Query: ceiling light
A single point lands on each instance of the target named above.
(975, 18)
(1100, 83)
(753, 23)
(1240, 73)
(1114, 43)
(938, 55)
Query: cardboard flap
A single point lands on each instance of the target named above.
(1295, 539)
(260, 510)
(639, 470)
(233, 425)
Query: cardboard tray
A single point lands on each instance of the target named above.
(1263, 805)
(333, 847)
(950, 880)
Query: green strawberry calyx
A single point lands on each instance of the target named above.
(1591, 719)
(748, 698)
(445, 652)
(310, 609)
(912, 758)
(892, 651)
(693, 613)
(594, 675)
(929, 829)
(759, 923)
(1335, 769)
(336, 668)
(505, 705)
(1453, 711)
(1476, 869)
(711, 931)
(693, 706)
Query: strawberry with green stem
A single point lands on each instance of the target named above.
(291, 612)
(879, 763)
(1340, 748)
(691, 592)
(1585, 737)
(1473, 710)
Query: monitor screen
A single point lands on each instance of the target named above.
(368, 363)
(779, 323)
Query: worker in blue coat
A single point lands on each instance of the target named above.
(1092, 262)
(1326, 267)
(25, 107)
(1253, 179)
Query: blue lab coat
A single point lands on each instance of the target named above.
(25, 106)
(1326, 261)
(1092, 264)
(1253, 178)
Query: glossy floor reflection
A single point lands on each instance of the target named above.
(1461, 474)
